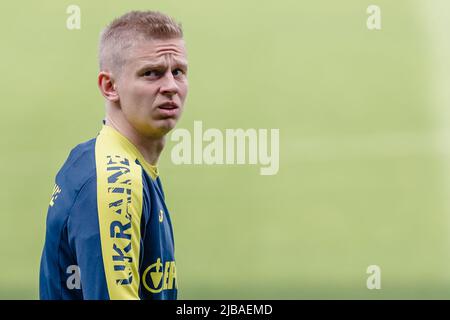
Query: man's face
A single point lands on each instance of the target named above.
(152, 85)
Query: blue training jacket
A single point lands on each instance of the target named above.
(108, 232)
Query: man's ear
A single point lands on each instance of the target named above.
(108, 88)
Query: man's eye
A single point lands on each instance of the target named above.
(177, 72)
(150, 73)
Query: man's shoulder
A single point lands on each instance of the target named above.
(77, 172)
(79, 166)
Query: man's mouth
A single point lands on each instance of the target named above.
(168, 109)
(168, 105)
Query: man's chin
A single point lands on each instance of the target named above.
(162, 127)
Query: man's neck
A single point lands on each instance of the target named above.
(149, 147)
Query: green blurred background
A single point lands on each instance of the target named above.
(363, 116)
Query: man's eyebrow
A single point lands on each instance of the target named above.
(152, 65)
(161, 64)
(181, 62)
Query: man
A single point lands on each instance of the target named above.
(109, 234)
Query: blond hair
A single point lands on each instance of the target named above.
(123, 32)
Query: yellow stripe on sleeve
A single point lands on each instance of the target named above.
(119, 202)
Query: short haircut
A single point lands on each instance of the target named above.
(125, 31)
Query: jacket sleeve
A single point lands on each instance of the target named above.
(104, 234)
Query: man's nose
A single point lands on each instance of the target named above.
(169, 86)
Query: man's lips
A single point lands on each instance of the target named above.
(168, 105)
(168, 109)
